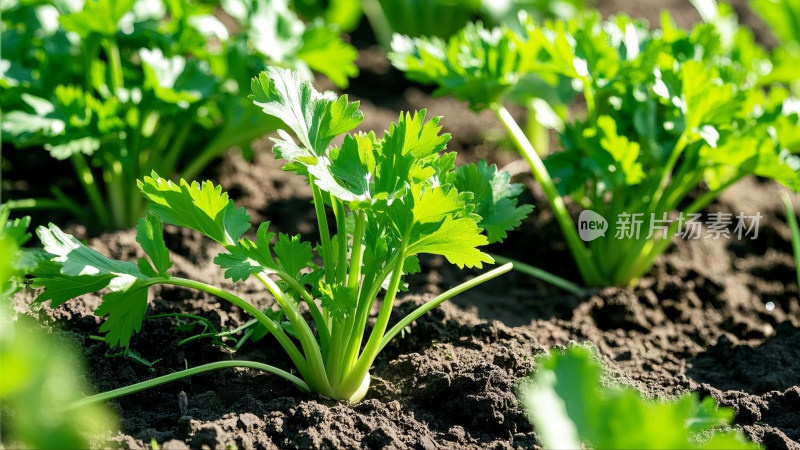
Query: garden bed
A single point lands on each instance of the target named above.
(698, 322)
(720, 317)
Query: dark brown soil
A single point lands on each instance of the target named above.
(721, 318)
(698, 322)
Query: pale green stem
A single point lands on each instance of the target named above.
(127, 390)
(316, 314)
(441, 298)
(114, 64)
(576, 246)
(356, 375)
(588, 95)
(76, 208)
(640, 262)
(234, 135)
(359, 323)
(537, 133)
(115, 190)
(324, 231)
(341, 230)
(791, 220)
(663, 182)
(45, 203)
(353, 282)
(316, 366)
(113, 175)
(277, 331)
(358, 251)
(170, 161)
(540, 274)
(90, 186)
(334, 360)
(377, 19)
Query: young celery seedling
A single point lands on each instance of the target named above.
(571, 406)
(666, 112)
(40, 377)
(392, 198)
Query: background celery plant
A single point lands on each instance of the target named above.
(663, 113)
(124, 87)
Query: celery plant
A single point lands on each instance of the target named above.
(572, 406)
(664, 112)
(392, 199)
(120, 88)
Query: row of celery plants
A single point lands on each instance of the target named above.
(121, 88)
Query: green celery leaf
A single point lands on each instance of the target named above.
(734, 157)
(495, 198)
(62, 288)
(368, 169)
(436, 204)
(749, 152)
(338, 299)
(571, 407)
(19, 125)
(624, 151)
(247, 257)
(76, 269)
(781, 167)
(77, 259)
(354, 163)
(783, 17)
(325, 52)
(421, 139)
(707, 101)
(16, 230)
(393, 165)
(408, 154)
(292, 254)
(97, 16)
(477, 65)
(787, 130)
(201, 207)
(86, 145)
(176, 79)
(456, 240)
(74, 122)
(275, 31)
(237, 265)
(150, 235)
(125, 310)
(314, 118)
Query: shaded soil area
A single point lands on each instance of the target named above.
(719, 317)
